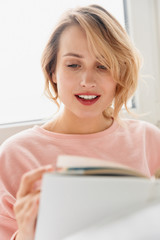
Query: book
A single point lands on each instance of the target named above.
(70, 164)
(143, 224)
(72, 201)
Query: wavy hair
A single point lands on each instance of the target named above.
(108, 40)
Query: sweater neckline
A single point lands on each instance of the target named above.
(56, 135)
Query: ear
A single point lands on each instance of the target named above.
(54, 78)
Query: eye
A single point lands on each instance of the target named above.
(73, 65)
(101, 67)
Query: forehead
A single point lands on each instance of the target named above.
(73, 38)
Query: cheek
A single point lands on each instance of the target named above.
(65, 81)
(65, 88)
(110, 86)
(64, 84)
(114, 88)
(113, 85)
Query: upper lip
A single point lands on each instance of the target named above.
(88, 93)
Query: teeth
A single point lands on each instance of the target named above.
(87, 96)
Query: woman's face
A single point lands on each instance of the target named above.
(84, 86)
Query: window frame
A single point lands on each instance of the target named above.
(147, 97)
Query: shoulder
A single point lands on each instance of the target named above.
(15, 149)
(141, 128)
(19, 138)
(12, 161)
(140, 125)
(17, 156)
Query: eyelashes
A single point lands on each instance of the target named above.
(101, 67)
(73, 65)
(77, 66)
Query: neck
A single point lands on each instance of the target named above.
(64, 124)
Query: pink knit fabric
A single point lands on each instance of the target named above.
(137, 145)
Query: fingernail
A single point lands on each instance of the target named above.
(48, 167)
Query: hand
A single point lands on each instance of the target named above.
(26, 206)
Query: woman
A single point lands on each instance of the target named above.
(91, 68)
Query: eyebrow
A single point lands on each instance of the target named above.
(73, 55)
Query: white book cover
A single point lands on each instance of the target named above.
(72, 203)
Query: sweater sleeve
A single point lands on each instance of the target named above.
(8, 225)
(17, 156)
(8, 187)
(8, 228)
(13, 162)
(153, 147)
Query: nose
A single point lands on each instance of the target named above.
(88, 80)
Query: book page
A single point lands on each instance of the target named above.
(69, 164)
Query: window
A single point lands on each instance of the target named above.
(144, 30)
(25, 29)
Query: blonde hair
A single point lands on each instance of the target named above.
(108, 41)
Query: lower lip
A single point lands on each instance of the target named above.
(88, 101)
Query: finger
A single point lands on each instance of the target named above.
(30, 205)
(27, 215)
(29, 178)
(22, 203)
(32, 213)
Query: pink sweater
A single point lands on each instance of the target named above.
(137, 145)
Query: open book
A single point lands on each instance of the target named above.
(67, 164)
(72, 201)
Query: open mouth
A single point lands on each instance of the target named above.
(87, 99)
